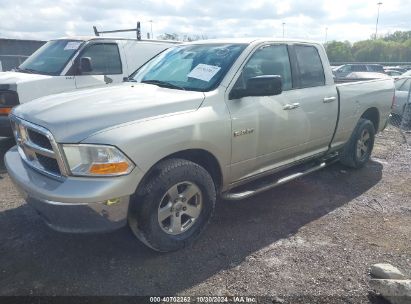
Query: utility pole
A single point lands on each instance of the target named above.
(151, 22)
(326, 33)
(378, 16)
(283, 28)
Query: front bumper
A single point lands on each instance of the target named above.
(5, 127)
(73, 204)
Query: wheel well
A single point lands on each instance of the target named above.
(201, 157)
(205, 159)
(373, 115)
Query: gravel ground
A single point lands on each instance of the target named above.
(312, 239)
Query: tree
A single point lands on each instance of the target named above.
(168, 36)
(395, 47)
(177, 37)
(339, 51)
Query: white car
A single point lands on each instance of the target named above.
(72, 63)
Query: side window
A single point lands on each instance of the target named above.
(310, 66)
(405, 85)
(356, 68)
(399, 83)
(105, 59)
(267, 60)
(359, 68)
(376, 68)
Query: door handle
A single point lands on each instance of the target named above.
(329, 99)
(291, 106)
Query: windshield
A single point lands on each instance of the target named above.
(198, 67)
(51, 58)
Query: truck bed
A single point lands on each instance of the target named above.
(355, 98)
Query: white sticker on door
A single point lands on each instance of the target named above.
(204, 72)
(72, 45)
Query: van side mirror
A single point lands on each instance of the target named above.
(265, 85)
(85, 65)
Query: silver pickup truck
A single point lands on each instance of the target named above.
(218, 118)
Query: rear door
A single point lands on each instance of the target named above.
(317, 99)
(106, 65)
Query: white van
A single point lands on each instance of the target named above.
(72, 63)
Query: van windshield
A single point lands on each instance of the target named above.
(196, 67)
(51, 58)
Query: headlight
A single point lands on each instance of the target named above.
(8, 99)
(96, 160)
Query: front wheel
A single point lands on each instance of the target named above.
(172, 208)
(357, 150)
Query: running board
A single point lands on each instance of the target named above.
(268, 183)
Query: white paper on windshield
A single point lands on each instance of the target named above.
(72, 45)
(204, 72)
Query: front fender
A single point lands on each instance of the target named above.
(147, 142)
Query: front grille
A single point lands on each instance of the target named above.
(39, 139)
(37, 147)
(50, 164)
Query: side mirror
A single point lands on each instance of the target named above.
(265, 85)
(85, 65)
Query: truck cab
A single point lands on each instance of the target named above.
(68, 64)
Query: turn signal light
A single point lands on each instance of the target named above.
(113, 168)
(5, 111)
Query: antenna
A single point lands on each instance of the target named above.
(137, 30)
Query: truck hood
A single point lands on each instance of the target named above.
(71, 117)
(13, 78)
(32, 86)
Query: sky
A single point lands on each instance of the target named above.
(318, 20)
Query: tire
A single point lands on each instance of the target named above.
(356, 156)
(170, 191)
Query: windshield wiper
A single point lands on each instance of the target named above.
(29, 71)
(129, 79)
(164, 84)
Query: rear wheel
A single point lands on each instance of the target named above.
(173, 207)
(357, 150)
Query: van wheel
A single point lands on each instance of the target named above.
(357, 150)
(174, 205)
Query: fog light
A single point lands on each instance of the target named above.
(112, 201)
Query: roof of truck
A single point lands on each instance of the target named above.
(249, 40)
(88, 38)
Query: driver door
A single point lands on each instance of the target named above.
(267, 132)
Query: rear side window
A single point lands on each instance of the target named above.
(310, 66)
(105, 59)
